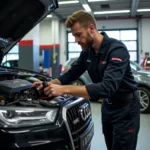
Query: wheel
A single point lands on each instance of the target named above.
(144, 95)
(78, 82)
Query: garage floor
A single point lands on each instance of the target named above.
(98, 142)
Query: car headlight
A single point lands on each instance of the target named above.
(13, 117)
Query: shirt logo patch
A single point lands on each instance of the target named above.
(102, 62)
(117, 59)
(131, 130)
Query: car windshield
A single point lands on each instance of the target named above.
(135, 66)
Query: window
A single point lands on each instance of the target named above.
(15, 49)
(71, 37)
(133, 56)
(74, 47)
(128, 37)
(131, 45)
(13, 54)
(113, 34)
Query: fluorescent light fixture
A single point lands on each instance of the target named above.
(111, 12)
(68, 2)
(49, 16)
(143, 10)
(86, 7)
(98, 0)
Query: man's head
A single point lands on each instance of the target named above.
(83, 27)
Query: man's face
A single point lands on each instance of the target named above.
(82, 36)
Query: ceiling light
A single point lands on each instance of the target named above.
(111, 12)
(86, 7)
(49, 16)
(98, 0)
(68, 2)
(143, 10)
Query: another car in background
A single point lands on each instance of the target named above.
(14, 64)
(141, 76)
(10, 63)
(83, 79)
(145, 63)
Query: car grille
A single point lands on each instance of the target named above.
(77, 128)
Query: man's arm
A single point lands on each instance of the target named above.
(57, 90)
(76, 70)
(76, 91)
(55, 81)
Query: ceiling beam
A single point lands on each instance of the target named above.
(134, 7)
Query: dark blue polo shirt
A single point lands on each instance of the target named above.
(109, 70)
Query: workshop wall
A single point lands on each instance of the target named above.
(142, 25)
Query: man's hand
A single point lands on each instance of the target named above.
(53, 90)
(38, 84)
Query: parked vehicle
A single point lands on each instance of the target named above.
(141, 76)
(14, 64)
(145, 63)
(28, 119)
(10, 63)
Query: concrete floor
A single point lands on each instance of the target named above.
(98, 142)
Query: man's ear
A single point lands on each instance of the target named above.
(91, 27)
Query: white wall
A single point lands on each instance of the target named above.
(63, 43)
(49, 31)
(45, 32)
(145, 36)
(116, 24)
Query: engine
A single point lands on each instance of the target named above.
(15, 91)
(9, 88)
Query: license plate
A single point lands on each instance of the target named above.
(86, 137)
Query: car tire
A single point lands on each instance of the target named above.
(78, 82)
(144, 95)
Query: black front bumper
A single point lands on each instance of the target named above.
(47, 137)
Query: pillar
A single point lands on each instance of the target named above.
(29, 51)
(49, 41)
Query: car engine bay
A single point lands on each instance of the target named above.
(16, 90)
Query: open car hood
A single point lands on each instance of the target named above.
(18, 17)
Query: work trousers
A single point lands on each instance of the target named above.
(121, 123)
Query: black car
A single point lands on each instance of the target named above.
(29, 119)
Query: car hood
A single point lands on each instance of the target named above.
(142, 76)
(18, 17)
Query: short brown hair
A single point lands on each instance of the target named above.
(81, 16)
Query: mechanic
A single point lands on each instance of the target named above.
(107, 61)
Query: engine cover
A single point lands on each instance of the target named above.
(9, 87)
